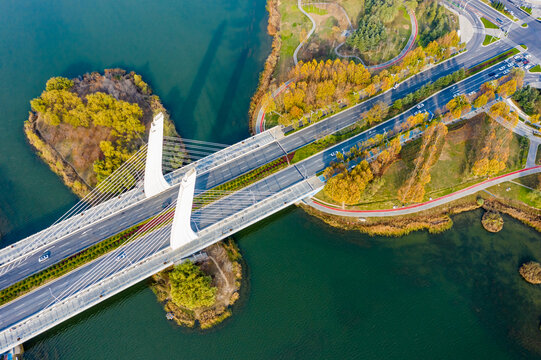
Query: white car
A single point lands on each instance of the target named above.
(45, 256)
(528, 67)
(420, 106)
(506, 72)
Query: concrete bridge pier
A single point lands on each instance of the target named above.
(181, 230)
(154, 182)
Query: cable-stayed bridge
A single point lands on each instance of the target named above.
(160, 184)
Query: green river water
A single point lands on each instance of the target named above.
(311, 291)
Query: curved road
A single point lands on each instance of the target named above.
(397, 58)
(299, 5)
(428, 204)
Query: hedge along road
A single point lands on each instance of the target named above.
(428, 204)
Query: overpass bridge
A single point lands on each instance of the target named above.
(158, 247)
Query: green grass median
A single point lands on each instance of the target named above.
(488, 24)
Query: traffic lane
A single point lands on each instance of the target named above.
(244, 198)
(347, 117)
(88, 236)
(239, 166)
(489, 13)
(77, 279)
(516, 10)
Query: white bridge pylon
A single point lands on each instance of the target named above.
(154, 182)
(181, 231)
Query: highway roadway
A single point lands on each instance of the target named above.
(158, 240)
(87, 236)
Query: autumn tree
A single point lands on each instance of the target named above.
(347, 187)
(502, 110)
(458, 105)
(58, 83)
(377, 113)
(190, 287)
(507, 88)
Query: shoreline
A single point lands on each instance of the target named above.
(266, 75)
(434, 221)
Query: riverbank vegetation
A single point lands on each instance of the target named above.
(85, 128)
(203, 293)
(433, 220)
(451, 162)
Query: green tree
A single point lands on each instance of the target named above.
(190, 287)
(58, 83)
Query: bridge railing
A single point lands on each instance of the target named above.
(103, 289)
(53, 233)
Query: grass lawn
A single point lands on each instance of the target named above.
(315, 10)
(450, 173)
(522, 189)
(489, 39)
(293, 24)
(489, 24)
(536, 69)
(353, 8)
(525, 25)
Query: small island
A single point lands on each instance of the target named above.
(531, 272)
(492, 221)
(85, 128)
(201, 294)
